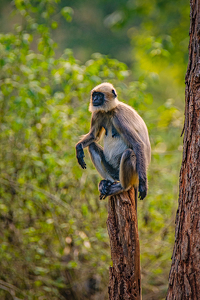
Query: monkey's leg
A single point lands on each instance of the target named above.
(128, 176)
(100, 163)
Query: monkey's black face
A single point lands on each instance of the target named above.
(98, 98)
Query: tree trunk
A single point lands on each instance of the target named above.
(184, 277)
(124, 276)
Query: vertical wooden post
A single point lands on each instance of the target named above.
(124, 275)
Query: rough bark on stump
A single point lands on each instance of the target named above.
(184, 278)
(124, 276)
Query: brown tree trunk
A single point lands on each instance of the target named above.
(124, 276)
(184, 277)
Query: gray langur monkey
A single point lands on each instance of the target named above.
(126, 154)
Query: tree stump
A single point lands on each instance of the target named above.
(124, 275)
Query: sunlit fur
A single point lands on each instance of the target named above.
(110, 100)
(128, 175)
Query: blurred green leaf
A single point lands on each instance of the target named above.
(67, 13)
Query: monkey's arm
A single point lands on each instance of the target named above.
(93, 135)
(133, 140)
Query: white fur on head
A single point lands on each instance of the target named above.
(111, 100)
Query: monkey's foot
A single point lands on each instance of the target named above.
(104, 187)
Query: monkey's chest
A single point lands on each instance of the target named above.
(114, 146)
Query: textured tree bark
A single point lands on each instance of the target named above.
(124, 276)
(184, 277)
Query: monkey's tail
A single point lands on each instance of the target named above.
(136, 196)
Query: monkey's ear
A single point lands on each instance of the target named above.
(114, 93)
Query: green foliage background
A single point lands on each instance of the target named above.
(53, 237)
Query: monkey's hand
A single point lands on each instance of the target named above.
(104, 187)
(142, 189)
(80, 155)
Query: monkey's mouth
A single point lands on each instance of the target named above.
(97, 103)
